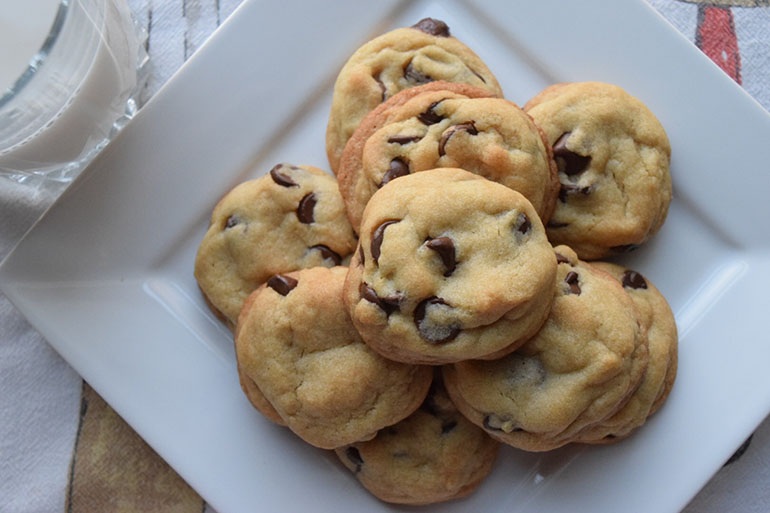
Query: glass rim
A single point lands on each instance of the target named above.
(40, 57)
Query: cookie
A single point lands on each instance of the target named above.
(442, 124)
(400, 59)
(450, 266)
(299, 347)
(433, 455)
(579, 369)
(657, 318)
(250, 389)
(292, 218)
(613, 158)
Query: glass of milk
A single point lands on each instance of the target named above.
(70, 71)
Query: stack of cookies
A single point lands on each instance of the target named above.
(436, 298)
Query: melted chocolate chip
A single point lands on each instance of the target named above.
(567, 189)
(282, 284)
(523, 224)
(448, 426)
(388, 304)
(469, 127)
(354, 456)
(555, 224)
(430, 117)
(415, 76)
(404, 139)
(305, 208)
(328, 254)
(361, 258)
(434, 334)
(398, 168)
(477, 74)
(561, 259)
(634, 280)
(568, 162)
(280, 178)
(446, 250)
(572, 280)
(382, 87)
(433, 27)
(232, 221)
(377, 240)
(625, 249)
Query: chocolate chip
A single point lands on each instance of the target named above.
(398, 168)
(388, 304)
(469, 127)
(280, 178)
(377, 240)
(305, 208)
(572, 280)
(328, 254)
(404, 139)
(354, 456)
(434, 333)
(282, 284)
(430, 117)
(231, 221)
(446, 250)
(448, 426)
(634, 280)
(625, 249)
(555, 224)
(568, 162)
(523, 224)
(415, 76)
(477, 74)
(382, 87)
(567, 189)
(433, 27)
(561, 259)
(361, 258)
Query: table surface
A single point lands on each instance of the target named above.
(63, 449)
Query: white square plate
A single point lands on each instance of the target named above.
(106, 275)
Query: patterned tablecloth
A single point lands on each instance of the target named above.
(63, 449)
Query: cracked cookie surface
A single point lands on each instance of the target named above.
(580, 368)
(442, 124)
(433, 455)
(450, 266)
(394, 61)
(297, 344)
(662, 342)
(292, 218)
(613, 159)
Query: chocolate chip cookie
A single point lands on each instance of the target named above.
(297, 344)
(656, 316)
(579, 369)
(289, 219)
(402, 58)
(442, 124)
(450, 266)
(433, 455)
(613, 158)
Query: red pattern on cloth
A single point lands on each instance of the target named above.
(716, 37)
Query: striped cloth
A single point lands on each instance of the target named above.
(63, 449)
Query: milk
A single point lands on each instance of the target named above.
(24, 25)
(67, 111)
